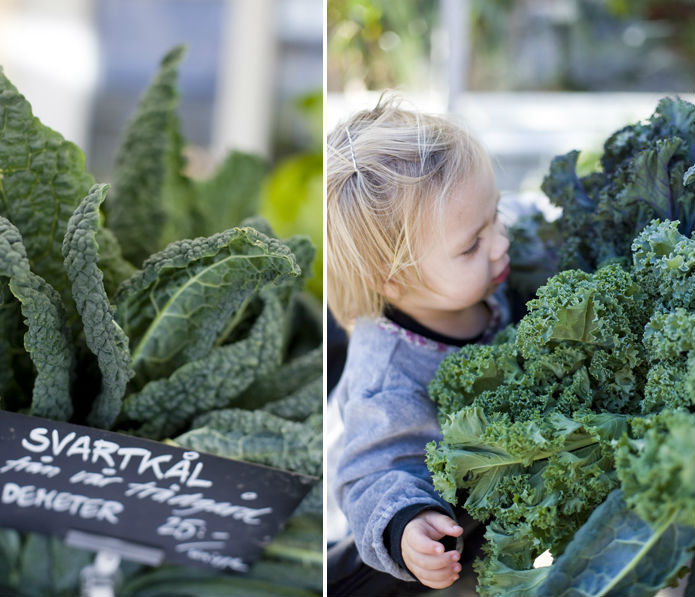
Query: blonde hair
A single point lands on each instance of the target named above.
(389, 170)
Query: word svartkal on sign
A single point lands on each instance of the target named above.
(142, 496)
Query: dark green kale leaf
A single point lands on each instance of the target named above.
(617, 554)
(42, 180)
(47, 339)
(174, 309)
(643, 177)
(167, 406)
(103, 335)
(149, 154)
(257, 436)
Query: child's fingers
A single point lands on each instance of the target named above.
(422, 542)
(434, 562)
(424, 555)
(441, 525)
(436, 578)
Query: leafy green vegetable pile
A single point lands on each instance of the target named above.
(574, 432)
(647, 170)
(108, 318)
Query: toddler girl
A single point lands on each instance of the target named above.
(416, 256)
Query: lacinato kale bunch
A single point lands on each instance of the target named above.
(175, 314)
(578, 420)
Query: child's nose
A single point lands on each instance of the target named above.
(500, 243)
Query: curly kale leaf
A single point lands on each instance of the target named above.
(657, 470)
(670, 381)
(464, 375)
(47, 339)
(479, 450)
(103, 335)
(616, 553)
(593, 351)
(689, 176)
(42, 179)
(540, 509)
(670, 385)
(594, 319)
(590, 309)
(664, 264)
(668, 336)
(653, 189)
(174, 309)
(147, 156)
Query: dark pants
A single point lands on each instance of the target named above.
(348, 576)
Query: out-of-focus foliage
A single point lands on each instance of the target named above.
(582, 45)
(292, 194)
(373, 44)
(524, 45)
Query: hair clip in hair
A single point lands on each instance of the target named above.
(352, 149)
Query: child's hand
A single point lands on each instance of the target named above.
(424, 555)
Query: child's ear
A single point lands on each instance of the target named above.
(392, 290)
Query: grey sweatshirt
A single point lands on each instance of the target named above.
(387, 419)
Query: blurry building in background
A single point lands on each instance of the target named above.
(83, 64)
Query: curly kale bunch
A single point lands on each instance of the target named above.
(569, 407)
(646, 173)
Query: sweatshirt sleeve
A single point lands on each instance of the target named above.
(381, 470)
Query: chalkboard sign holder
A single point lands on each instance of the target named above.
(139, 499)
(124, 549)
(100, 578)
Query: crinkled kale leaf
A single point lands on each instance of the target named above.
(47, 338)
(103, 335)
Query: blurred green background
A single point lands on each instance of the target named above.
(251, 82)
(581, 45)
(532, 78)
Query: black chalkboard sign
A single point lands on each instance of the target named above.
(148, 500)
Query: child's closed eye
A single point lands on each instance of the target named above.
(473, 248)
